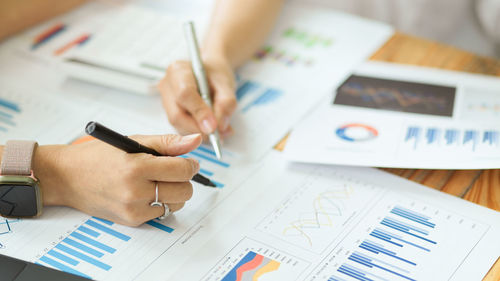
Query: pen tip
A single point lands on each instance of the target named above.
(214, 139)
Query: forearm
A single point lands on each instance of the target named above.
(238, 28)
(16, 15)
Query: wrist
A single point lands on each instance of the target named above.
(49, 170)
(215, 54)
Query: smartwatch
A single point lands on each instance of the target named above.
(19, 189)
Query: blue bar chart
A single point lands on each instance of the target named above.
(268, 96)
(471, 137)
(86, 247)
(401, 242)
(8, 111)
(251, 94)
(209, 164)
(467, 139)
(433, 135)
(451, 136)
(246, 88)
(413, 136)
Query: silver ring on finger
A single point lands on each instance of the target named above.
(156, 203)
(166, 212)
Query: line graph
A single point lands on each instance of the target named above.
(317, 211)
(326, 208)
(396, 96)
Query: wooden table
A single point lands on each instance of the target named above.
(478, 186)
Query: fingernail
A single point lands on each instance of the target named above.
(188, 138)
(225, 123)
(207, 128)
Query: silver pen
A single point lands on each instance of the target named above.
(201, 79)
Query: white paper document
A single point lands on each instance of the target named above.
(309, 51)
(324, 223)
(267, 219)
(405, 117)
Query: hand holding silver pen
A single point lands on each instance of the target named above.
(201, 79)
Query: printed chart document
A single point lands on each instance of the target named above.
(330, 223)
(26, 114)
(309, 51)
(408, 117)
(74, 242)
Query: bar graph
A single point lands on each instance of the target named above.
(471, 140)
(451, 136)
(268, 96)
(432, 135)
(471, 137)
(402, 241)
(390, 237)
(491, 137)
(246, 88)
(21, 111)
(209, 164)
(307, 38)
(373, 262)
(282, 56)
(8, 111)
(251, 94)
(86, 247)
(413, 135)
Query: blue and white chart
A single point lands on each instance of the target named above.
(323, 223)
(439, 120)
(20, 112)
(403, 242)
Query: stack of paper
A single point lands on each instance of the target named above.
(267, 220)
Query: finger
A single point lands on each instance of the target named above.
(174, 192)
(224, 103)
(189, 100)
(180, 119)
(153, 212)
(185, 90)
(171, 145)
(167, 169)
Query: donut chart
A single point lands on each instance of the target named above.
(345, 132)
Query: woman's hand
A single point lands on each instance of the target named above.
(103, 181)
(185, 108)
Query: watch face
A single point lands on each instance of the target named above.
(18, 200)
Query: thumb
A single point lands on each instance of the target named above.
(171, 145)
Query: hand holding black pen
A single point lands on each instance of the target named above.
(130, 146)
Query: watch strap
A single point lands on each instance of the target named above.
(17, 158)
